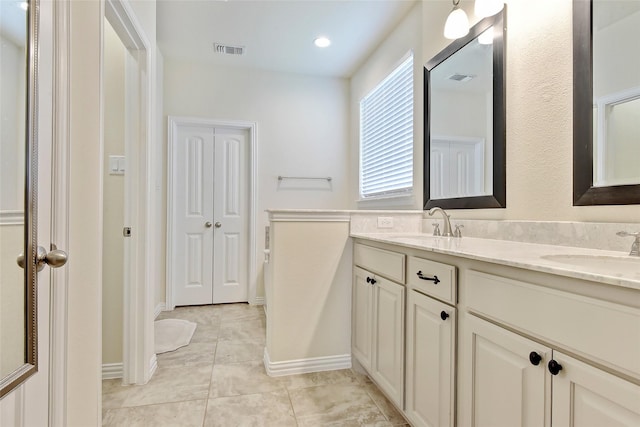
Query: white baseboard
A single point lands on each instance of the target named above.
(111, 371)
(159, 308)
(305, 366)
(258, 301)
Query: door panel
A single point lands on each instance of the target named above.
(230, 212)
(506, 389)
(193, 209)
(362, 316)
(586, 396)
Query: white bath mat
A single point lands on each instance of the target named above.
(171, 334)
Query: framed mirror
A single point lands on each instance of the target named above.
(465, 130)
(18, 161)
(606, 102)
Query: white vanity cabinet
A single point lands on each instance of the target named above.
(508, 377)
(378, 318)
(431, 343)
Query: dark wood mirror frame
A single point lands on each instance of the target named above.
(584, 193)
(498, 198)
(30, 367)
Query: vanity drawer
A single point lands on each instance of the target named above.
(444, 289)
(386, 263)
(600, 330)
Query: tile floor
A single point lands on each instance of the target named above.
(219, 380)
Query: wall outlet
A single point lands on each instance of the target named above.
(385, 222)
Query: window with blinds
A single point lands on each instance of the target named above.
(386, 135)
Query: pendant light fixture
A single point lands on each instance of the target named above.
(485, 8)
(457, 24)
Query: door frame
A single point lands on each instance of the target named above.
(138, 358)
(173, 123)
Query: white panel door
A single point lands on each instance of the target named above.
(230, 215)
(430, 361)
(586, 396)
(388, 338)
(506, 388)
(193, 215)
(209, 215)
(362, 316)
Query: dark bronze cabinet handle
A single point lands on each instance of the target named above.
(535, 358)
(434, 279)
(371, 280)
(554, 367)
(444, 315)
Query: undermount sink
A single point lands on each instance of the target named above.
(609, 264)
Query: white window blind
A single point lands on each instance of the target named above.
(386, 135)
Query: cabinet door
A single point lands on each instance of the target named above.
(362, 317)
(388, 338)
(587, 396)
(430, 361)
(503, 387)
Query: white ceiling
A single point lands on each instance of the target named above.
(278, 34)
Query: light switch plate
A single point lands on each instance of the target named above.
(116, 165)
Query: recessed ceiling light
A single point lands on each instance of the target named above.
(322, 42)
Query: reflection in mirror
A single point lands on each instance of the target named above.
(616, 93)
(606, 104)
(17, 285)
(464, 126)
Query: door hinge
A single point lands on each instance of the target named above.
(126, 231)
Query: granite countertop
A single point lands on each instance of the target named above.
(611, 267)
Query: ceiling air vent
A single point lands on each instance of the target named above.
(228, 49)
(461, 77)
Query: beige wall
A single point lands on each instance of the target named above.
(539, 112)
(302, 125)
(113, 198)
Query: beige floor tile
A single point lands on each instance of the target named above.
(335, 404)
(343, 376)
(235, 379)
(239, 312)
(196, 353)
(172, 385)
(180, 414)
(231, 351)
(265, 409)
(200, 314)
(206, 333)
(114, 393)
(387, 408)
(253, 329)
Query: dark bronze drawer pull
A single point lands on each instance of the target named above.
(434, 279)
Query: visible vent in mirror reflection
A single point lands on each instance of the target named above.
(461, 77)
(228, 49)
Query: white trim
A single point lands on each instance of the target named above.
(305, 366)
(251, 127)
(159, 309)
(138, 294)
(601, 104)
(111, 371)
(153, 365)
(11, 217)
(257, 301)
(308, 217)
(60, 212)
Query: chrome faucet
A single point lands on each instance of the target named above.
(447, 225)
(635, 246)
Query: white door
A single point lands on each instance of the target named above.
(362, 316)
(388, 338)
(430, 361)
(209, 215)
(507, 383)
(587, 396)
